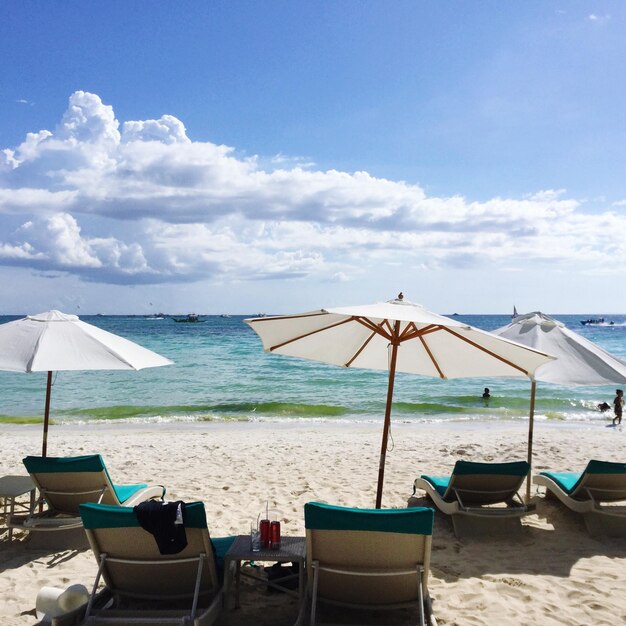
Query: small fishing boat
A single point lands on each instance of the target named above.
(192, 318)
(592, 321)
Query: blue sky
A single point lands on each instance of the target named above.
(281, 156)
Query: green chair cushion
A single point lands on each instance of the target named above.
(221, 545)
(106, 516)
(109, 516)
(418, 520)
(439, 483)
(473, 468)
(605, 467)
(57, 465)
(570, 481)
(513, 468)
(565, 480)
(79, 464)
(126, 491)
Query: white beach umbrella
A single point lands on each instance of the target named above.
(395, 336)
(579, 361)
(54, 341)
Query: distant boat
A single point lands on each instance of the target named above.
(192, 318)
(593, 321)
(225, 315)
(515, 313)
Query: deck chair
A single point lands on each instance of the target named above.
(589, 493)
(470, 493)
(139, 578)
(66, 482)
(369, 558)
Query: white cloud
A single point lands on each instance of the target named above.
(598, 19)
(147, 204)
(167, 130)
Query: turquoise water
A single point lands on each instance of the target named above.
(222, 373)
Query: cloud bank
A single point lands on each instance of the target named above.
(140, 203)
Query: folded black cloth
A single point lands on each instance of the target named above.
(165, 520)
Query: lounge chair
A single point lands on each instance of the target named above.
(137, 576)
(470, 493)
(66, 482)
(369, 558)
(588, 492)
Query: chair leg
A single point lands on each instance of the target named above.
(92, 597)
(196, 592)
(314, 593)
(420, 594)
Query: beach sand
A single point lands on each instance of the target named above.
(553, 573)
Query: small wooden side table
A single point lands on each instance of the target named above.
(11, 488)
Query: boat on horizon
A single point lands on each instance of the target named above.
(191, 318)
(597, 321)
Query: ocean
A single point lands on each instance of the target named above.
(221, 373)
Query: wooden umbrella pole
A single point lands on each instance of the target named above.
(531, 420)
(383, 447)
(46, 417)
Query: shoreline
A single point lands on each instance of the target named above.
(307, 423)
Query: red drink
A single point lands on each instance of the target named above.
(264, 527)
(275, 535)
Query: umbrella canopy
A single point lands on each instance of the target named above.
(395, 336)
(579, 361)
(54, 341)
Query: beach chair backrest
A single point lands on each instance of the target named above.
(372, 541)
(486, 483)
(134, 566)
(67, 482)
(606, 481)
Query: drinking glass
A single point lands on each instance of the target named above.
(255, 537)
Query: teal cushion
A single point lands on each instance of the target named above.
(96, 516)
(605, 467)
(418, 520)
(512, 468)
(109, 516)
(565, 480)
(221, 545)
(569, 481)
(439, 483)
(126, 491)
(55, 465)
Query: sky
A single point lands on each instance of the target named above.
(281, 156)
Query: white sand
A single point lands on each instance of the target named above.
(553, 574)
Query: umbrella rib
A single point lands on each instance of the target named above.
(273, 318)
(489, 352)
(375, 331)
(430, 354)
(313, 332)
(375, 328)
(411, 332)
(408, 332)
